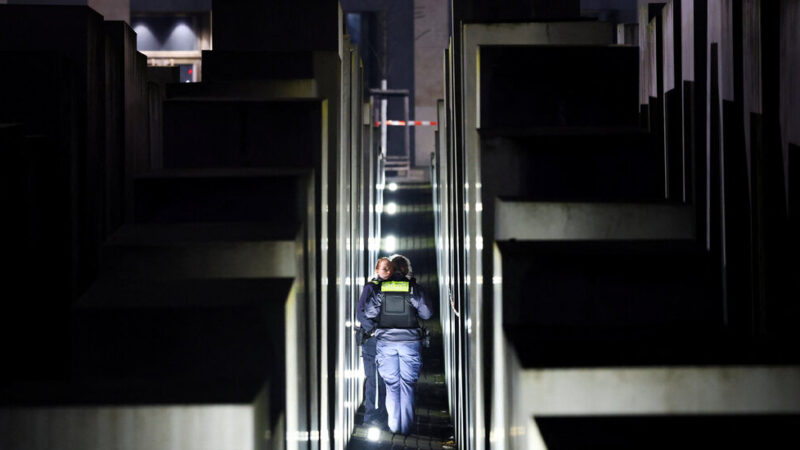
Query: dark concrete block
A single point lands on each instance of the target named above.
(13, 196)
(558, 86)
(202, 134)
(34, 327)
(36, 90)
(221, 65)
(11, 138)
(79, 111)
(774, 242)
(127, 140)
(591, 167)
(612, 303)
(163, 75)
(794, 181)
(181, 353)
(736, 220)
(222, 196)
(677, 164)
(282, 134)
(276, 25)
(157, 80)
(657, 133)
(793, 245)
(242, 133)
(154, 333)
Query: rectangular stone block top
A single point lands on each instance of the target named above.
(545, 221)
(304, 88)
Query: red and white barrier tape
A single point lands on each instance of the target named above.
(410, 123)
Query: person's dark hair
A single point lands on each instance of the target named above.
(401, 264)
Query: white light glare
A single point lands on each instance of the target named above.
(354, 374)
(373, 244)
(373, 434)
(390, 244)
(391, 208)
(392, 187)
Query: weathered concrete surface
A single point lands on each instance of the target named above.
(670, 28)
(628, 34)
(201, 427)
(663, 390)
(592, 221)
(647, 50)
(720, 31)
(790, 77)
(431, 32)
(138, 251)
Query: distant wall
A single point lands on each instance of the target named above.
(170, 5)
(617, 11)
(431, 33)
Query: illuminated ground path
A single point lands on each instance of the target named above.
(408, 218)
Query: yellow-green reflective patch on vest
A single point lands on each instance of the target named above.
(394, 286)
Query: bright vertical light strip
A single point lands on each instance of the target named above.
(499, 390)
(384, 131)
(292, 369)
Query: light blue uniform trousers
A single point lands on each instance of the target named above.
(374, 389)
(399, 364)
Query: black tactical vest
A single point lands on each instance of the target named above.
(396, 309)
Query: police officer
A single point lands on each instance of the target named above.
(396, 309)
(374, 388)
